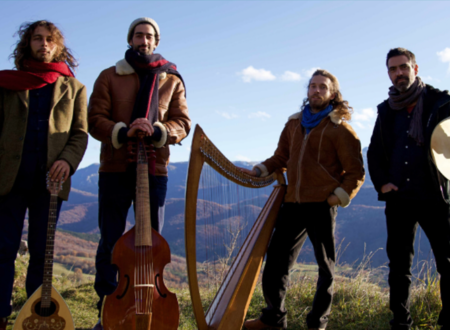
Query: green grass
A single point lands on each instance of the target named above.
(361, 300)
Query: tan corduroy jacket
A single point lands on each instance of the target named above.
(67, 130)
(110, 108)
(325, 161)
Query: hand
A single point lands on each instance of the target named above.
(333, 200)
(140, 124)
(248, 172)
(388, 187)
(59, 171)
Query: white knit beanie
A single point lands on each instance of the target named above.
(143, 20)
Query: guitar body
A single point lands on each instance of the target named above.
(59, 317)
(119, 308)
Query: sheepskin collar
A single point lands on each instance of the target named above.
(123, 68)
(334, 117)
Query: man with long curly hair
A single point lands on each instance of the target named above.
(324, 164)
(43, 129)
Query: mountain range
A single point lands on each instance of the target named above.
(360, 228)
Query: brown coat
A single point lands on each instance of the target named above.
(325, 161)
(67, 130)
(110, 108)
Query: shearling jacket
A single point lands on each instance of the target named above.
(326, 160)
(110, 108)
(67, 131)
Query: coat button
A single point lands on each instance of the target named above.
(21, 139)
(17, 157)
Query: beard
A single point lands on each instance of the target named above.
(144, 52)
(46, 57)
(404, 85)
(318, 105)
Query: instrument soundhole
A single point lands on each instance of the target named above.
(45, 312)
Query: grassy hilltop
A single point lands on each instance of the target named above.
(361, 300)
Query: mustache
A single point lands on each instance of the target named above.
(401, 77)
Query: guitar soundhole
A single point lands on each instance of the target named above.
(45, 312)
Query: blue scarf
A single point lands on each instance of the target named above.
(311, 120)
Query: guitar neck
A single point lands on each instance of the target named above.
(143, 220)
(49, 250)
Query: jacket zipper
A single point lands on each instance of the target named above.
(299, 175)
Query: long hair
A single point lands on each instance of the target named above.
(23, 48)
(343, 109)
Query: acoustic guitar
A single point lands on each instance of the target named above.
(46, 309)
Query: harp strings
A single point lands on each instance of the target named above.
(225, 214)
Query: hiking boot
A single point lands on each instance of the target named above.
(3, 323)
(257, 324)
(98, 326)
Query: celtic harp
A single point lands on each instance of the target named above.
(229, 306)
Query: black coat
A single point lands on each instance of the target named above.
(436, 108)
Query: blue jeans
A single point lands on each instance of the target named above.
(116, 193)
(29, 191)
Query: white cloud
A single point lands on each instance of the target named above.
(291, 76)
(364, 115)
(251, 73)
(243, 158)
(444, 56)
(227, 115)
(260, 114)
(309, 72)
(357, 123)
(429, 79)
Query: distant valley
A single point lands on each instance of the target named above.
(360, 227)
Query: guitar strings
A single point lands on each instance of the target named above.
(45, 304)
(144, 277)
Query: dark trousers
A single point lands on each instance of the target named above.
(34, 196)
(296, 222)
(116, 193)
(402, 219)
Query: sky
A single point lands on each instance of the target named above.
(246, 64)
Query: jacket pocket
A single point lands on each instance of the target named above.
(62, 115)
(328, 173)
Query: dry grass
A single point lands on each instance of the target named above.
(361, 299)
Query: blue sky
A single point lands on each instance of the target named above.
(246, 63)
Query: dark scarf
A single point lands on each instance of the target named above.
(34, 75)
(311, 120)
(148, 68)
(399, 101)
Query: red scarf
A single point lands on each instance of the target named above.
(34, 75)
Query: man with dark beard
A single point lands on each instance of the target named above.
(324, 164)
(405, 176)
(143, 92)
(43, 129)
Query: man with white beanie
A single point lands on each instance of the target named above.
(142, 93)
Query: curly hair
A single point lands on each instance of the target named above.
(341, 106)
(23, 49)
